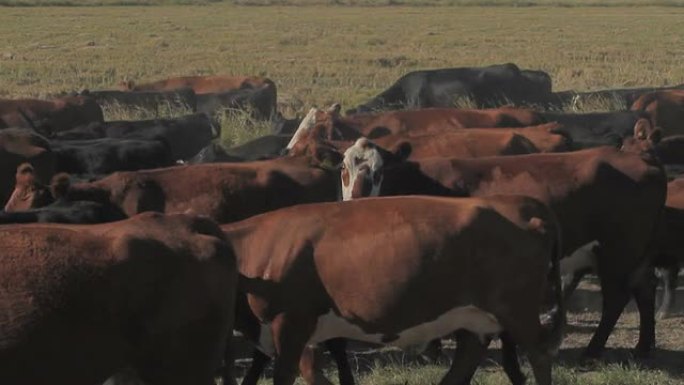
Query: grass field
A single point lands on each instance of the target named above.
(323, 54)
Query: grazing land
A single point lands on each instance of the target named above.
(322, 54)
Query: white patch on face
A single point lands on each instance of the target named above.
(305, 126)
(362, 155)
(469, 317)
(580, 259)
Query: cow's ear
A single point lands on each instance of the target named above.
(327, 158)
(335, 109)
(656, 135)
(642, 129)
(403, 151)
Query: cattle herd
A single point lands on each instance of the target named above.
(142, 244)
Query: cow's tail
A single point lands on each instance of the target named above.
(557, 315)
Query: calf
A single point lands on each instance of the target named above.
(200, 84)
(28, 192)
(79, 303)
(303, 287)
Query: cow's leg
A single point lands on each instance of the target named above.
(615, 298)
(569, 289)
(669, 276)
(469, 353)
(644, 294)
(259, 361)
(309, 366)
(338, 349)
(228, 369)
(509, 359)
(290, 335)
(540, 361)
(432, 351)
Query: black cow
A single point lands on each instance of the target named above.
(186, 135)
(259, 102)
(621, 98)
(157, 101)
(284, 126)
(598, 128)
(265, 147)
(107, 155)
(486, 86)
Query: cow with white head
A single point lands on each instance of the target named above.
(362, 168)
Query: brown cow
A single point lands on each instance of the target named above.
(19, 146)
(224, 192)
(28, 192)
(472, 143)
(422, 272)
(416, 122)
(49, 116)
(200, 84)
(78, 303)
(601, 194)
(666, 109)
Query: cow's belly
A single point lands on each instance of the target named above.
(469, 318)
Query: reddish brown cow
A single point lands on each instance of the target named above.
(200, 84)
(421, 272)
(28, 192)
(224, 192)
(78, 303)
(49, 116)
(666, 109)
(411, 122)
(601, 194)
(19, 146)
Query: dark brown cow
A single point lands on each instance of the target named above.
(18, 146)
(48, 116)
(223, 192)
(78, 303)
(28, 192)
(418, 122)
(601, 194)
(200, 84)
(666, 109)
(421, 272)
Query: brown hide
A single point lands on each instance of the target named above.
(389, 264)
(598, 194)
(419, 122)
(225, 192)
(200, 84)
(81, 302)
(54, 115)
(666, 109)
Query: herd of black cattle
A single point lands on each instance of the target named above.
(154, 243)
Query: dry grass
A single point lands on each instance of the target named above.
(321, 54)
